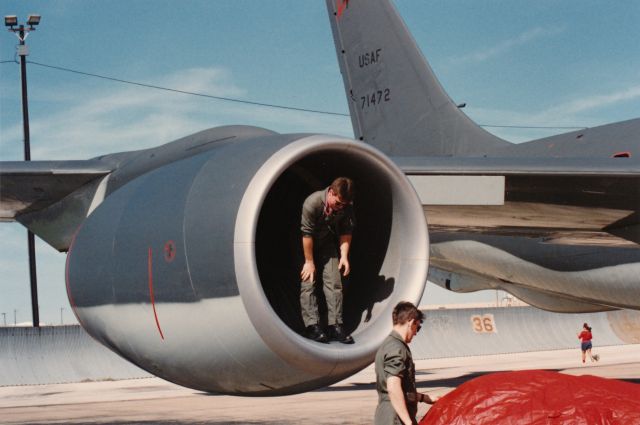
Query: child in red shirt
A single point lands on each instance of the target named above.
(585, 337)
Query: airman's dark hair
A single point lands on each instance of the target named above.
(343, 187)
(405, 311)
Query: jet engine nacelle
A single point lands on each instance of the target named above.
(191, 270)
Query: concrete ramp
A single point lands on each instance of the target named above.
(58, 354)
(484, 331)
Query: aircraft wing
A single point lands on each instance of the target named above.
(35, 185)
(582, 201)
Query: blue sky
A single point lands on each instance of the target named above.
(523, 63)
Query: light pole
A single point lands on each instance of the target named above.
(15, 317)
(21, 32)
(61, 321)
(4, 319)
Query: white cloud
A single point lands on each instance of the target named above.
(507, 45)
(595, 102)
(127, 117)
(567, 114)
(120, 117)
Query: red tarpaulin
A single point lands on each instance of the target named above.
(537, 397)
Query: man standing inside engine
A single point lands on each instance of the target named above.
(327, 224)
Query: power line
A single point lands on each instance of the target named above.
(268, 105)
(228, 99)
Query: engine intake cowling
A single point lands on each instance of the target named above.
(191, 270)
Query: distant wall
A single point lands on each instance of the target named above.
(483, 331)
(58, 354)
(64, 354)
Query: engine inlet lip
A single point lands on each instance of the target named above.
(281, 339)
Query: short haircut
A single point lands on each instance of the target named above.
(405, 311)
(343, 187)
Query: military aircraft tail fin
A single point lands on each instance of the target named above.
(395, 100)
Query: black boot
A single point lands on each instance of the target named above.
(315, 333)
(337, 334)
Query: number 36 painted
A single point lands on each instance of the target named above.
(483, 324)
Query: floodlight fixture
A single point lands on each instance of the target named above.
(33, 20)
(10, 20)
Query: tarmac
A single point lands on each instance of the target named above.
(352, 401)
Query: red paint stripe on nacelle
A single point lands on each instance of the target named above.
(153, 303)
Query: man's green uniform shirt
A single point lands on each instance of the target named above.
(394, 359)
